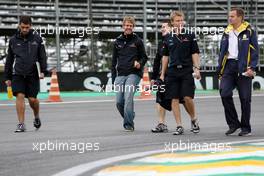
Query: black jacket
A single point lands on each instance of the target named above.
(23, 53)
(161, 95)
(157, 61)
(127, 50)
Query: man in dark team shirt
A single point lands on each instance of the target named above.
(161, 127)
(181, 63)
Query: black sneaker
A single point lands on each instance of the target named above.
(244, 133)
(160, 128)
(20, 128)
(37, 123)
(194, 126)
(179, 130)
(231, 131)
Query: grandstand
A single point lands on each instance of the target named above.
(93, 52)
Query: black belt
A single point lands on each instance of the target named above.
(179, 66)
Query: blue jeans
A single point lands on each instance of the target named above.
(125, 88)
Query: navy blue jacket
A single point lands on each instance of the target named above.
(247, 49)
(23, 53)
(128, 49)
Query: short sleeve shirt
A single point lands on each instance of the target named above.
(180, 48)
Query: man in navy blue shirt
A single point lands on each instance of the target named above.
(180, 60)
(161, 127)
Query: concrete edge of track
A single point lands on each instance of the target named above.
(83, 168)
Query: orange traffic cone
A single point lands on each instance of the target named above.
(54, 93)
(146, 87)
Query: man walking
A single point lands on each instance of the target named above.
(128, 60)
(238, 59)
(161, 127)
(181, 57)
(24, 50)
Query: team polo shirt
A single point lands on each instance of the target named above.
(180, 48)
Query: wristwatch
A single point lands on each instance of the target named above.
(196, 67)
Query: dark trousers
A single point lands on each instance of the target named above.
(231, 80)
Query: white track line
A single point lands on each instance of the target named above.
(82, 168)
(103, 101)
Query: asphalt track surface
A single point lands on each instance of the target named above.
(95, 122)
